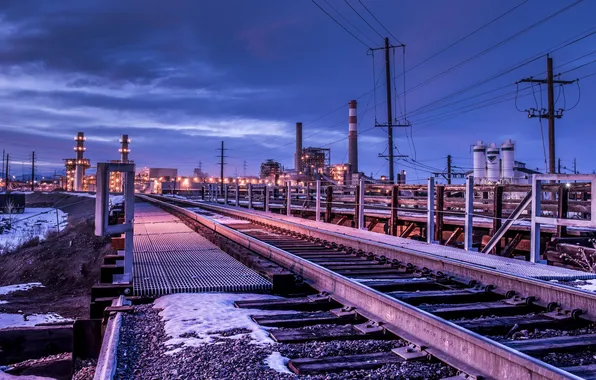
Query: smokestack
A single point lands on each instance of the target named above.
(124, 149)
(298, 154)
(79, 165)
(353, 140)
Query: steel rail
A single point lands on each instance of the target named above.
(108, 355)
(543, 292)
(440, 338)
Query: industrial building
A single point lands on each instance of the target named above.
(493, 164)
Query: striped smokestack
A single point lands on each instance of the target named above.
(298, 154)
(353, 139)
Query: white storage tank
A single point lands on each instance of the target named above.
(493, 163)
(479, 161)
(508, 159)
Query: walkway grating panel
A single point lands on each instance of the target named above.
(169, 257)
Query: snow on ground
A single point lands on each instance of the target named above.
(24, 320)
(590, 285)
(18, 287)
(278, 363)
(34, 222)
(192, 319)
(6, 376)
(222, 219)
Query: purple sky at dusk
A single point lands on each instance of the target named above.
(180, 76)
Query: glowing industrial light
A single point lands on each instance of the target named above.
(568, 184)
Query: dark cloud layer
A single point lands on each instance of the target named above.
(180, 76)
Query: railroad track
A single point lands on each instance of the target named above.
(484, 323)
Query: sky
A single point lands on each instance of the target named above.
(181, 76)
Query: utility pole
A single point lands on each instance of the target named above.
(33, 171)
(575, 166)
(390, 124)
(245, 165)
(389, 111)
(449, 169)
(6, 171)
(559, 165)
(551, 114)
(222, 163)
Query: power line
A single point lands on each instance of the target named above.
(363, 19)
(489, 49)
(338, 23)
(379, 22)
(468, 35)
(578, 67)
(589, 31)
(348, 21)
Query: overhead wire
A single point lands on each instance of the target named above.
(379, 22)
(349, 22)
(338, 23)
(363, 19)
(492, 47)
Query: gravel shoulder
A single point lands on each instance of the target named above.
(143, 354)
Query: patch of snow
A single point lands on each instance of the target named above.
(34, 222)
(19, 287)
(278, 363)
(6, 376)
(590, 286)
(202, 314)
(3, 302)
(22, 320)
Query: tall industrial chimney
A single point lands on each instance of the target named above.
(352, 139)
(124, 149)
(298, 154)
(80, 163)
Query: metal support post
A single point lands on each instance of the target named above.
(225, 194)
(361, 220)
(266, 200)
(237, 196)
(129, 211)
(535, 232)
(250, 196)
(469, 221)
(102, 228)
(430, 215)
(289, 199)
(318, 202)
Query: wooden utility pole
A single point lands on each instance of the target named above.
(575, 166)
(389, 112)
(390, 125)
(33, 171)
(551, 114)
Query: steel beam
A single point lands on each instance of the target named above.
(289, 199)
(469, 216)
(237, 195)
(318, 202)
(250, 196)
(535, 233)
(361, 220)
(430, 214)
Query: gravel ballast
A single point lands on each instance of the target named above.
(143, 354)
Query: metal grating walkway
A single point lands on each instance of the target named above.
(169, 257)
